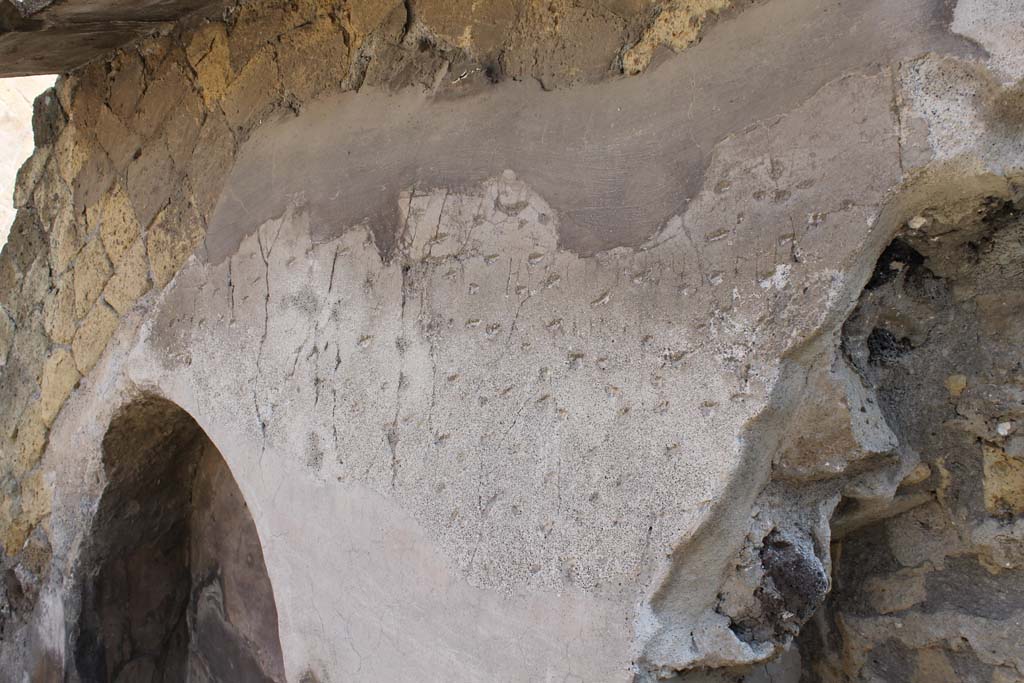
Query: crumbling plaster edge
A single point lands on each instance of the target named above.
(953, 183)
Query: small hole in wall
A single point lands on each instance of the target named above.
(885, 348)
(897, 258)
(492, 72)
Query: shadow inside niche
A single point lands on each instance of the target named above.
(921, 585)
(174, 583)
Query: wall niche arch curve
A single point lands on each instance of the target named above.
(173, 581)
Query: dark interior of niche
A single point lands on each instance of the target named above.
(174, 583)
(943, 301)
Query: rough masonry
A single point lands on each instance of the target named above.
(610, 341)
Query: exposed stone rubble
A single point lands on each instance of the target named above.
(525, 368)
(930, 592)
(556, 42)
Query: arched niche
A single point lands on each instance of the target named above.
(174, 585)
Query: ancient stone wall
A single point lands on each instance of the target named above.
(113, 200)
(515, 329)
(131, 153)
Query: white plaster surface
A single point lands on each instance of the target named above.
(998, 26)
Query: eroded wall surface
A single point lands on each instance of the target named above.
(539, 352)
